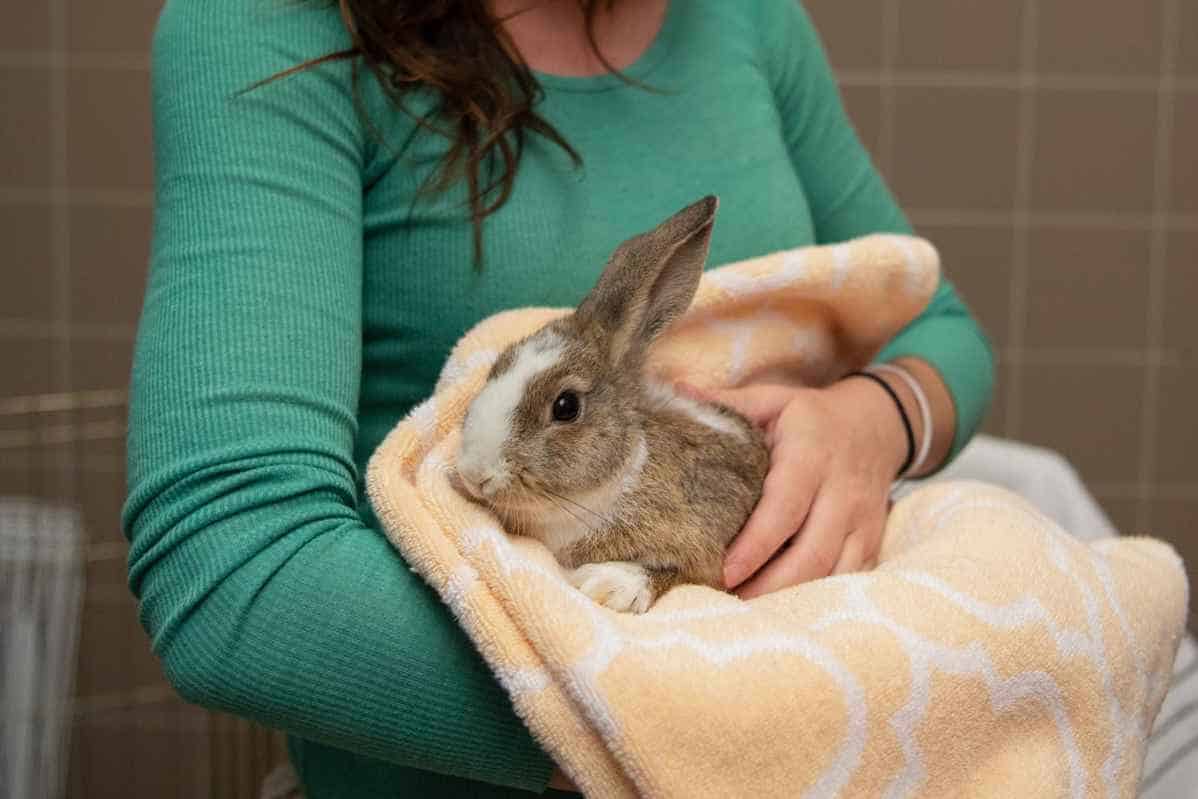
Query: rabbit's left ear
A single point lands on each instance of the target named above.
(650, 281)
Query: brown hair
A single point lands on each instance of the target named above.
(487, 92)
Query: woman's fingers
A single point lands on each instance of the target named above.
(785, 499)
(851, 557)
(814, 553)
(822, 538)
(861, 547)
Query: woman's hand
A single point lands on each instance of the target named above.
(834, 453)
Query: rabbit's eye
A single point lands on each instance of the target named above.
(566, 407)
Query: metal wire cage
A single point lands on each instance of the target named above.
(43, 556)
(83, 697)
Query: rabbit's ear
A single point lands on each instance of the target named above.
(650, 281)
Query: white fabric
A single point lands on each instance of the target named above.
(41, 586)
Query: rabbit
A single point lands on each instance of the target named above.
(632, 487)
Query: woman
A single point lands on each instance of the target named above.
(323, 239)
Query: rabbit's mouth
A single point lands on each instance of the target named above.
(517, 495)
(525, 507)
(524, 494)
(529, 502)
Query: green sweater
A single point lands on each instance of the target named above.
(301, 300)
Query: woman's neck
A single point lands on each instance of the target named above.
(551, 34)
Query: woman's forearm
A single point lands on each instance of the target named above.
(270, 599)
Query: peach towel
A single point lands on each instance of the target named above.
(989, 654)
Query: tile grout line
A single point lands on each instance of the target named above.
(1024, 163)
(83, 707)
(60, 255)
(119, 198)
(963, 79)
(885, 83)
(135, 61)
(1132, 356)
(1063, 219)
(848, 76)
(150, 694)
(1124, 220)
(59, 207)
(18, 327)
(1157, 254)
(1186, 492)
(58, 59)
(60, 234)
(1104, 356)
(112, 198)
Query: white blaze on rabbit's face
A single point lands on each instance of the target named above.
(482, 464)
(542, 472)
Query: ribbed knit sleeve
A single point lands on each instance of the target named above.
(849, 198)
(263, 589)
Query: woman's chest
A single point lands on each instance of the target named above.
(645, 154)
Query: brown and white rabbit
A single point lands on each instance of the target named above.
(632, 487)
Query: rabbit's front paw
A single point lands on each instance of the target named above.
(621, 586)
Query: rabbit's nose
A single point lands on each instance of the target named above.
(481, 485)
(469, 481)
(488, 485)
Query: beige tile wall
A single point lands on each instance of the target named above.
(1047, 147)
(1050, 149)
(75, 217)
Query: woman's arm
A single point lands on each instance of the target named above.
(848, 198)
(264, 592)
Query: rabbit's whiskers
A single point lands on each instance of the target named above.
(605, 520)
(580, 506)
(545, 493)
(520, 518)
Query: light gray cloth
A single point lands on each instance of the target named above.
(1046, 479)
(41, 587)
(1039, 475)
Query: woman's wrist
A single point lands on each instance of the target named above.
(884, 419)
(930, 411)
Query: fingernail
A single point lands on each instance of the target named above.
(732, 575)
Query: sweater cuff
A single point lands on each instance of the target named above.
(962, 356)
(531, 767)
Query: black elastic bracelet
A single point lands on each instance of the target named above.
(902, 415)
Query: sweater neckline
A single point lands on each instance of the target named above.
(638, 70)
